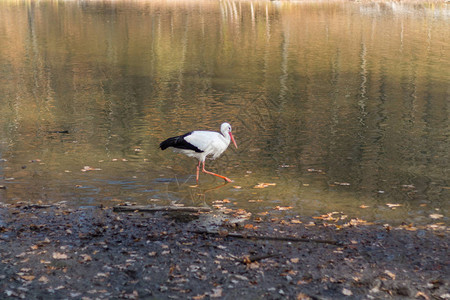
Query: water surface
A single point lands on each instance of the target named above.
(337, 104)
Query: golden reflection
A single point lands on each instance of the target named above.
(357, 89)
(192, 195)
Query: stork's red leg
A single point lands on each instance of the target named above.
(211, 173)
(198, 169)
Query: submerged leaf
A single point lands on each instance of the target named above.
(283, 207)
(88, 168)
(393, 205)
(263, 185)
(436, 216)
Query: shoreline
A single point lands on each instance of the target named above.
(95, 253)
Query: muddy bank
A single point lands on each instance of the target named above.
(95, 253)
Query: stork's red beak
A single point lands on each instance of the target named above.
(232, 138)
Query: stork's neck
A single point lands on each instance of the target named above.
(226, 136)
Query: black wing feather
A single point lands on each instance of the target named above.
(179, 142)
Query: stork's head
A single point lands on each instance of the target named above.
(225, 128)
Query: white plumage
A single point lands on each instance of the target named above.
(200, 144)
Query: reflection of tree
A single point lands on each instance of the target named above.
(304, 84)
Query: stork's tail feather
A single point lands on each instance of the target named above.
(180, 143)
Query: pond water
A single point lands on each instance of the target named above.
(337, 106)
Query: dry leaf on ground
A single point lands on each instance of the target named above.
(57, 255)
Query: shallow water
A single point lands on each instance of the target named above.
(338, 105)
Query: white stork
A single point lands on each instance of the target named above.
(200, 144)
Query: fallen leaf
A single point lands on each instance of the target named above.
(241, 277)
(390, 274)
(57, 255)
(437, 226)
(86, 257)
(342, 183)
(302, 296)
(241, 212)
(355, 222)
(43, 279)
(88, 168)
(393, 205)
(408, 186)
(27, 277)
(217, 293)
(283, 207)
(347, 292)
(289, 272)
(409, 227)
(330, 217)
(436, 216)
(315, 170)
(263, 185)
(421, 294)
